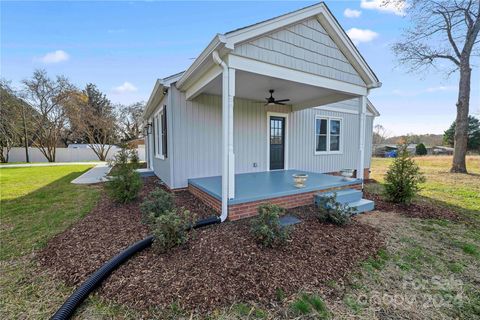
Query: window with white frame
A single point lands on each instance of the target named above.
(160, 133)
(328, 135)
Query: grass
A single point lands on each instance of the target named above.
(424, 259)
(38, 203)
(458, 191)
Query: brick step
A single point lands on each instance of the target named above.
(343, 196)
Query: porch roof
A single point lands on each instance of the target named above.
(257, 186)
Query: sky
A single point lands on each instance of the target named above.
(124, 46)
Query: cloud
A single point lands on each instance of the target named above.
(351, 13)
(361, 35)
(440, 88)
(414, 93)
(124, 88)
(395, 7)
(54, 57)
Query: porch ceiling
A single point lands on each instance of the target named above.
(255, 87)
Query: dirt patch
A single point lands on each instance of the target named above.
(221, 265)
(421, 210)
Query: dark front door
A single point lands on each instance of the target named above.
(277, 143)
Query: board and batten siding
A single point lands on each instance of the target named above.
(302, 142)
(196, 134)
(161, 167)
(305, 46)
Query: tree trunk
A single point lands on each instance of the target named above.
(461, 122)
(25, 135)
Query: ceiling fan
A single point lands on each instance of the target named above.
(271, 100)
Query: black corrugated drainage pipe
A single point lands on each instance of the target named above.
(79, 295)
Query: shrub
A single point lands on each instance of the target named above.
(331, 211)
(158, 202)
(402, 179)
(266, 227)
(171, 229)
(124, 183)
(420, 149)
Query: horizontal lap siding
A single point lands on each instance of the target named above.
(305, 46)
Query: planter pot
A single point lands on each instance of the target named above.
(347, 174)
(299, 179)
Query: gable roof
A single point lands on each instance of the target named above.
(225, 43)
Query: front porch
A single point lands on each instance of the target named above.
(277, 187)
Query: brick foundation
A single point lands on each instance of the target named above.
(249, 209)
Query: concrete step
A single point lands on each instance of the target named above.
(343, 196)
(363, 205)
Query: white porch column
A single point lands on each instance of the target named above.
(231, 155)
(363, 116)
(225, 157)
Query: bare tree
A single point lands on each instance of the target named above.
(380, 134)
(444, 30)
(13, 120)
(93, 120)
(131, 121)
(48, 98)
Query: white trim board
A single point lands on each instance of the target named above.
(286, 154)
(275, 71)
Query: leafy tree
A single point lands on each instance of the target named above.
(131, 121)
(48, 98)
(473, 142)
(443, 30)
(93, 120)
(420, 149)
(403, 178)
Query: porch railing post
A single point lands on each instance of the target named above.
(363, 115)
(225, 80)
(231, 155)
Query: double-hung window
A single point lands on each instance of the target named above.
(328, 135)
(160, 133)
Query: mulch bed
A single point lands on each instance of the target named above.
(420, 210)
(221, 265)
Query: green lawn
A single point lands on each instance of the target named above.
(459, 191)
(39, 202)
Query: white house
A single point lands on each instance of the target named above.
(225, 129)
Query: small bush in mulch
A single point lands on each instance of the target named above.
(124, 183)
(334, 212)
(220, 266)
(171, 229)
(266, 227)
(403, 178)
(422, 210)
(158, 202)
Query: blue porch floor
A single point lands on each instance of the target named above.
(269, 184)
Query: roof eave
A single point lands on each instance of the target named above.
(205, 56)
(150, 106)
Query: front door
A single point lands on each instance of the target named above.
(277, 143)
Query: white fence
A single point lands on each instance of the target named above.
(17, 154)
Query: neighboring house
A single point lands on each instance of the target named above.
(213, 128)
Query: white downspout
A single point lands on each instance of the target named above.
(225, 121)
(363, 115)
